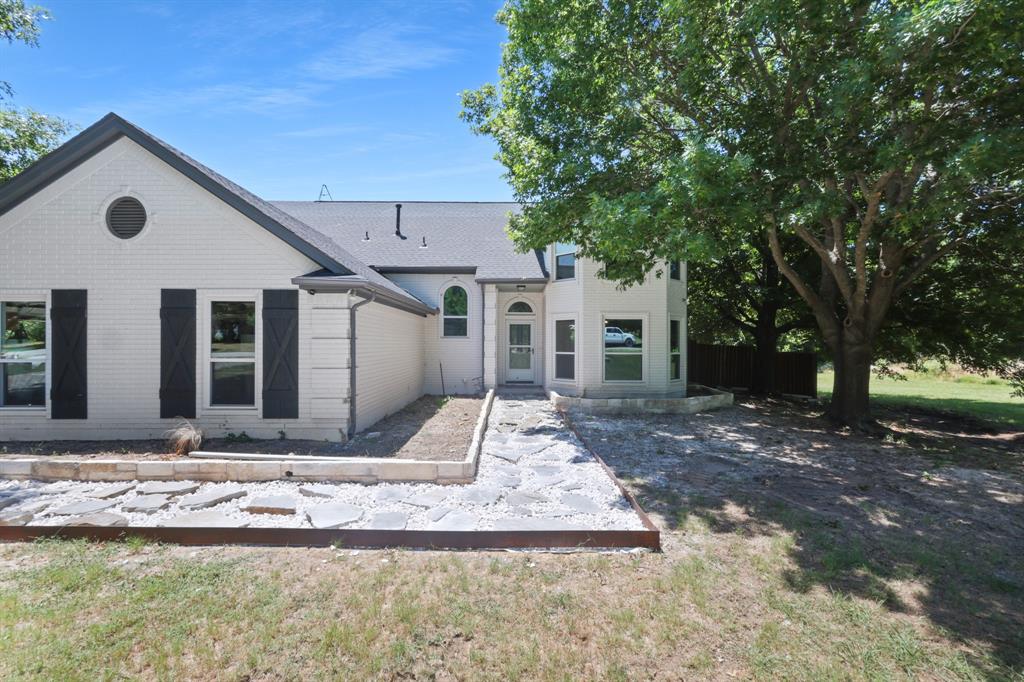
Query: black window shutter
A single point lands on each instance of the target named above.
(68, 396)
(280, 353)
(177, 353)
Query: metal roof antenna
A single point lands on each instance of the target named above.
(398, 222)
(325, 192)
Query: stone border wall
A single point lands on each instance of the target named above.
(211, 466)
(613, 406)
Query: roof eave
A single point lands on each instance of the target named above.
(354, 284)
(108, 130)
(512, 280)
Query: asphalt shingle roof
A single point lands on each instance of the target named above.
(314, 243)
(459, 235)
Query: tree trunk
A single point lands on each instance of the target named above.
(850, 405)
(762, 381)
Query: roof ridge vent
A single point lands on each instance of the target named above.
(398, 222)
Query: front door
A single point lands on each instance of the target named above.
(520, 352)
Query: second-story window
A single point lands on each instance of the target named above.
(675, 270)
(565, 261)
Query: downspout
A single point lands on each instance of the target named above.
(352, 363)
(483, 338)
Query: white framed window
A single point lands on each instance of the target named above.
(675, 270)
(565, 349)
(23, 352)
(520, 308)
(624, 348)
(565, 261)
(232, 353)
(675, 351)
(455, 312)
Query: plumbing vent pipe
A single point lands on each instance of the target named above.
(398, 221)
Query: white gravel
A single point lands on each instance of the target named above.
(550, 462)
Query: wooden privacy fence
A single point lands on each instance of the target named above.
(733, 367)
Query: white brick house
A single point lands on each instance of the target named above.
(138, 287)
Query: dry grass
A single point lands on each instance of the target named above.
(706, 609)
(795, 554)
(184, 438)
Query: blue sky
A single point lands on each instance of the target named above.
(282, 97)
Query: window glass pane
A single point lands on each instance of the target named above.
(519, 335)
(455, 326)
(565, 336)
(23, 331)
(233, 329)
(22, 384)
(674, 270)
(623, 335)
(232, 383)
(565, 266)
(674, 365)
(520, 307)
(623, 350)
(456, 301)
(565, 366)
(673, 336)
(519, 358)
(623, 367)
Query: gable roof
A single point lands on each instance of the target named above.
(460, 236)
(315, 245)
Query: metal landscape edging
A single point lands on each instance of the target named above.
(362, 538)
(367, 538)
(644, 518)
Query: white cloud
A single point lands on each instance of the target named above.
(443, 172)
(328, 131)
(212, 99)
(379, 52)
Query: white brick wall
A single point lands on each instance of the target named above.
(58, 239)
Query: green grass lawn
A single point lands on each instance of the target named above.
(981, 397)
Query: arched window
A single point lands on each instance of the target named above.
(520, 308)
(455, 312)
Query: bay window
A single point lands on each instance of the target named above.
(623, 349)
(565, 261)
(565, 349)
(675, 351)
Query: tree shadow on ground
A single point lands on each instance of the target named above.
(927, 523)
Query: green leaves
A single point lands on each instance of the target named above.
(25, 136)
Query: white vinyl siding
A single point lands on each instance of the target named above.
(389, 361)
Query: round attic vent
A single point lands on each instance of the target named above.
(126, 217)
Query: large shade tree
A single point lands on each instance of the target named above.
(878, 137)
(25, 135)
(742, 298)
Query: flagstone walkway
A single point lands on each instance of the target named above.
(534, 474)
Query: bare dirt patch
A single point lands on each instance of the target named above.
(430, 428)
(928, 521)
